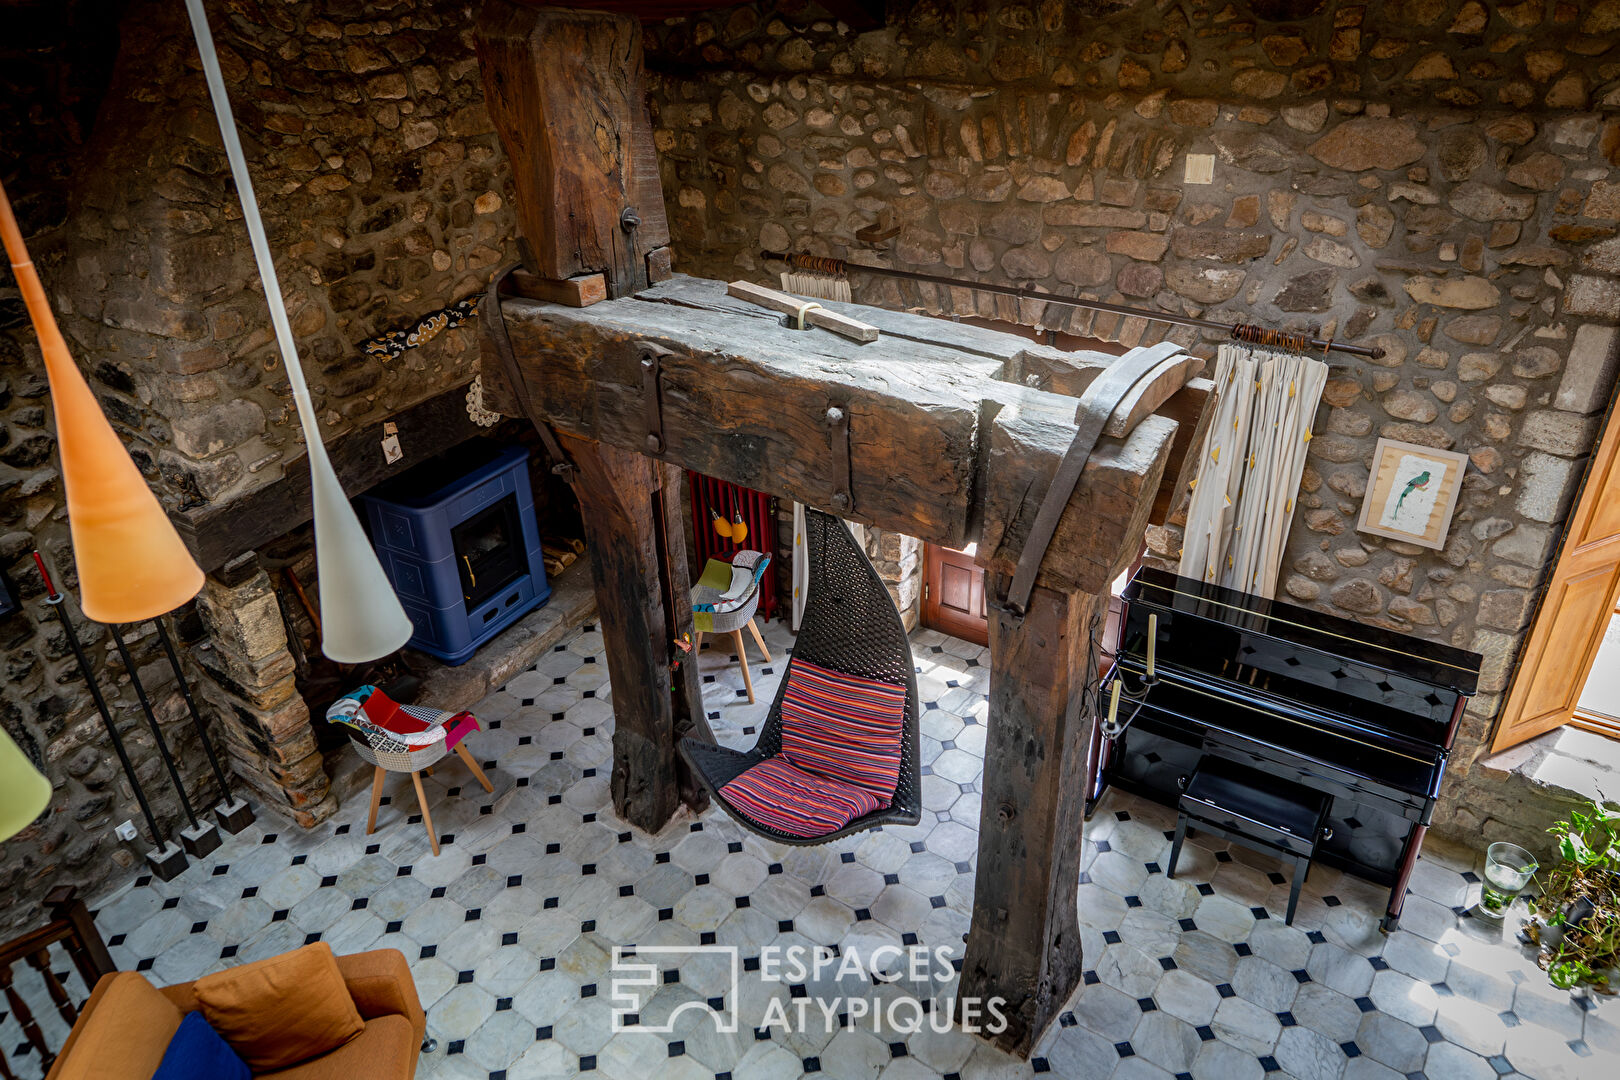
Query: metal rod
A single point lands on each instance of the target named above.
(54, 600)
(151, 722)
(1239, 331)
(191, 705)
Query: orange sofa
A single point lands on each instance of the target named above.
(384, 994)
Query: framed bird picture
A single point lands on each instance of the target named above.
(1412, 493)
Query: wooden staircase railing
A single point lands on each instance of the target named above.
(71, 927)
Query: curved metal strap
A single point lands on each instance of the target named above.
(1097, 404)
(494, 322)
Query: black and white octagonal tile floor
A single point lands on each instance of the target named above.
(511, 931)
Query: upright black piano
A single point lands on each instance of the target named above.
(1364, 715)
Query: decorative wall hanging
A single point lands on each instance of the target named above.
(361, 617)
(1248, 477)
(395, 343)
(132, 564)
(1412, 493)
(477, 411)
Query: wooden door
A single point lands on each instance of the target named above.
(1574, 612)
(953, 594)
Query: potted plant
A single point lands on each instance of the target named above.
(1576, 917)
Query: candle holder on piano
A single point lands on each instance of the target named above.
(1112, 728)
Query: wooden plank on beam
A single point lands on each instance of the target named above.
(581, 291)
(814, 313)
(218, 531)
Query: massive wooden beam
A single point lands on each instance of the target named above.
(638, 565)
(566, 90)
(940, 447)
(1025, 942)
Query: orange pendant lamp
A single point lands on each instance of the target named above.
(132, 564)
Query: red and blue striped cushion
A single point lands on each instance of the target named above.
(777, 794)
(843, 727)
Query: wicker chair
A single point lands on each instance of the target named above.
(850, 625)
(732, 622)
(388, 753)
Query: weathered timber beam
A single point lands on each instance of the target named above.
(639, 569)
(216, 532)
(566, 92)
(940, 447)
(1024, 946)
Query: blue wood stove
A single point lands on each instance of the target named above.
(457, 537)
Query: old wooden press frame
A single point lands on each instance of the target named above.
(940, 431)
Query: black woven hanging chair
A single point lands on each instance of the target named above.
(851, 626)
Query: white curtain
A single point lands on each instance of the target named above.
(1253, 458)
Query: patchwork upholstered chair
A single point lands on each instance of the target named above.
(714, 612)
(838, 752)
(403, 739)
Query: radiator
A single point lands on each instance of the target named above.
(727, 500)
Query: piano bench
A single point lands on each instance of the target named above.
(1258, 811)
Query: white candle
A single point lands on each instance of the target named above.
(1113, 706)
(1153, 640)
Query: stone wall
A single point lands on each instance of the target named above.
(1433, 177)
(384, 194)
(385, 197)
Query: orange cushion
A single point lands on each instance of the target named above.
(282, 1010)
(124, 1035)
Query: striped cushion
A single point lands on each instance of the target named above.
(843, 727)
(779, 795)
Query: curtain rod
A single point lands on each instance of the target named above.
(1256, 335)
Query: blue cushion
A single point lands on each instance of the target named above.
(198, 1053)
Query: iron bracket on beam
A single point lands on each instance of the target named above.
(843, 498)
(652, 357)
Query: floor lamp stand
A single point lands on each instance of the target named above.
(232, 812)
(166, 861)
(200, 837)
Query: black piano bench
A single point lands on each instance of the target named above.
(1257, 810)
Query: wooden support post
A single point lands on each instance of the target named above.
(626, 501)
(1024, 945)
(566, 91)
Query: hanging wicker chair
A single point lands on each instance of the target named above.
(850, 627)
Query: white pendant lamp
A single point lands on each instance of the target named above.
(361, 618)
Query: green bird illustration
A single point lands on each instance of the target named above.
(1421, 480)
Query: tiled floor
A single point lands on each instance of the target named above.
(510, 931)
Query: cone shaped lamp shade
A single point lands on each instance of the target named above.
(24, 793)
(132, 564)
(361, 618)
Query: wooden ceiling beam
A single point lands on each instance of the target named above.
(940, 447)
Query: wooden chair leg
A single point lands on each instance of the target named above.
(427, 818)
(759, 640)
(376, 799)
(461, 749)
(742, 658)
(1175, 846)
(697, 642)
